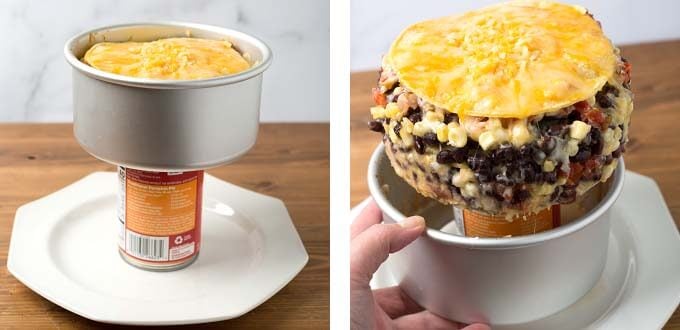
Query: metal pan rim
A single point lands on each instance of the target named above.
(257, 69)
(497, 243)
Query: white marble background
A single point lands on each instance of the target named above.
(35, 80)
(376, 23)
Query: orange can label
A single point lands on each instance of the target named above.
(478, 224)
(160, 214)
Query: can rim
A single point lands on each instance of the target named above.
(253, 71)
(582, 222)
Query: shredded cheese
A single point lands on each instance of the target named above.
(167, 59)
(511, 60)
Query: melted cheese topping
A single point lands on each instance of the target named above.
(511, 60)
(167, 59)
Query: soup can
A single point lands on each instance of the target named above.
(479, 224)
(159, 217)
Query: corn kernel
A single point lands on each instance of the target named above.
(487, 140)
(470, 190)
(406, 132)
(519, 133)
(393, 136)
(572, 147)
(420, 129)
(490, 139)
(434, 116)
(611, 142)
(463, 176)
(377, 112)
(548, 166)
(407, 124)
(578, 130)
(406, 138)
(457, 136)
(392, 111)
(443, 133)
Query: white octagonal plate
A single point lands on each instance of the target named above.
(63, 247)
(639, 288)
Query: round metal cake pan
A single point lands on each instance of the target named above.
(500, 281)
(153, 124)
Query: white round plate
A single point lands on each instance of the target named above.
(63, 247)
(639, 288)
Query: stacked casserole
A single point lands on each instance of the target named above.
(506, 110)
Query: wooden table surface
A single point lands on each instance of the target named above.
(289, 161)
(654, 136)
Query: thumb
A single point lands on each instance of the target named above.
(372, 247)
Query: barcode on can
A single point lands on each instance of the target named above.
(147, 247)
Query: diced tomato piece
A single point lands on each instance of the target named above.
(592, 163)
(590, 168)
(575, 173)
(582, 106)
(595, 116)
(627, 67)
(589, 114)
(378, 97)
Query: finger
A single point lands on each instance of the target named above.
(395, 302)
(424, 320)
(369, 216)
(370, 248)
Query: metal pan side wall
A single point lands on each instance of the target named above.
(166, 125)
(166, 129)
(502, 281)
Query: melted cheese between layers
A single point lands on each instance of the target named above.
(511, 60)
(167, 59)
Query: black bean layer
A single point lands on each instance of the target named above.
(504, 172)
(376, 126)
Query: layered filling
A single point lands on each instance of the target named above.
(503, 165)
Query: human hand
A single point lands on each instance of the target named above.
(388, 308)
